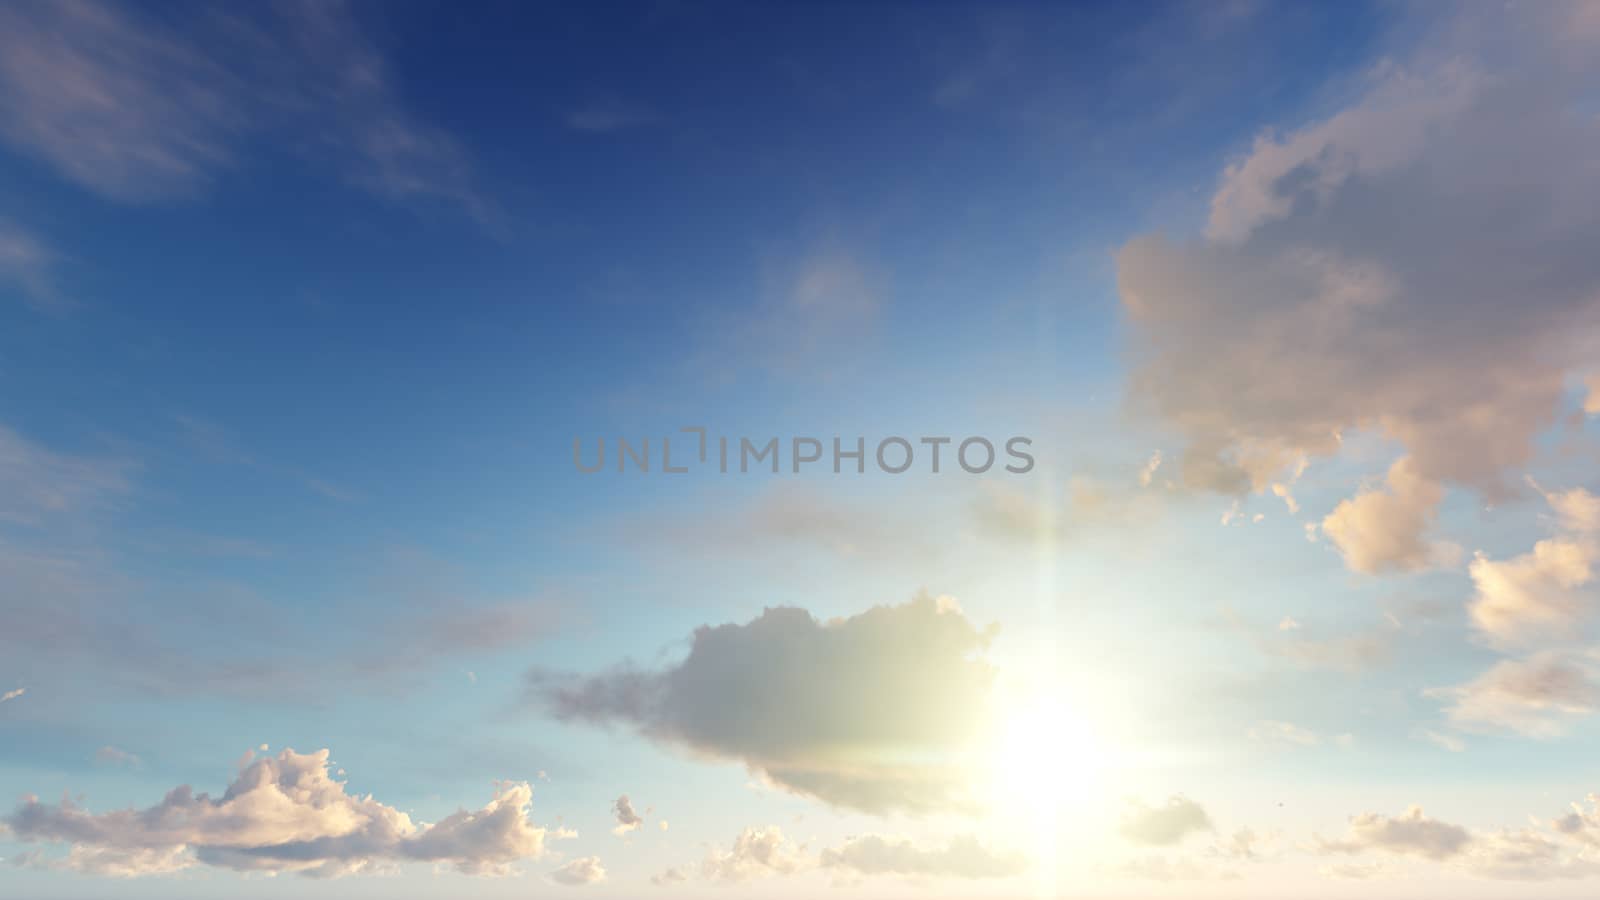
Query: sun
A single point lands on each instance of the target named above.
(1050, 771)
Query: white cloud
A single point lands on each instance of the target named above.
(1548, 593)
(1358, 273)
(961, 857)
(1411, 833)
(12, 694)
(1386, 531)
(583, 870)
(281, 814)
(756, 853)
(1536, 697)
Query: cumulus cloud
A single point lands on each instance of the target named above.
(583, 870)
(1411, 833)
(281, 814)
(1548, 593)
(1535, 697)
(1166, 824)
(1562, 851)
(962, 857)
(875, 712)
(627, 819)
(1386, 530)
(134, 110)
(1359, 272)
(12, 694)
(756, 853)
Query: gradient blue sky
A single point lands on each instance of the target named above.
(302, 307)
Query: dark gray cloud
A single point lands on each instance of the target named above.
(873, 712)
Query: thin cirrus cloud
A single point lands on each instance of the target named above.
(137, 112)
(25, 268)
(836, 710)
(283, 814)
(1358, 272)
(1539, 697)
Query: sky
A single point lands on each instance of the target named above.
(1182, 476)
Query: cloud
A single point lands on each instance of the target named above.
(1385, 531)
(1446, 742)
(583, 870)
(116, 756)
(25, 265)
(38, 484)
(1411, 834)
(962, 857)
(132, 109)
(1522, 854)
(765, 852)
(12, 694)
(1283, 733)
(1164, 825)
(627, 819)
(756, 853)
(1169, 869)
(1313, 648)
(874, 712)
(1088, 505)
(281, 814)
(817, 314)
(1535, 697)
(1359, 272)
(1549, 592)
(610, 116)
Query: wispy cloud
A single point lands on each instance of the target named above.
(606, 116)
(25, 267)
(138, 111)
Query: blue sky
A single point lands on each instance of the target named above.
(302, 308)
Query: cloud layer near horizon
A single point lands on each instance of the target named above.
(281, 814)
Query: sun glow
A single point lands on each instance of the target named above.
(1050, 772)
